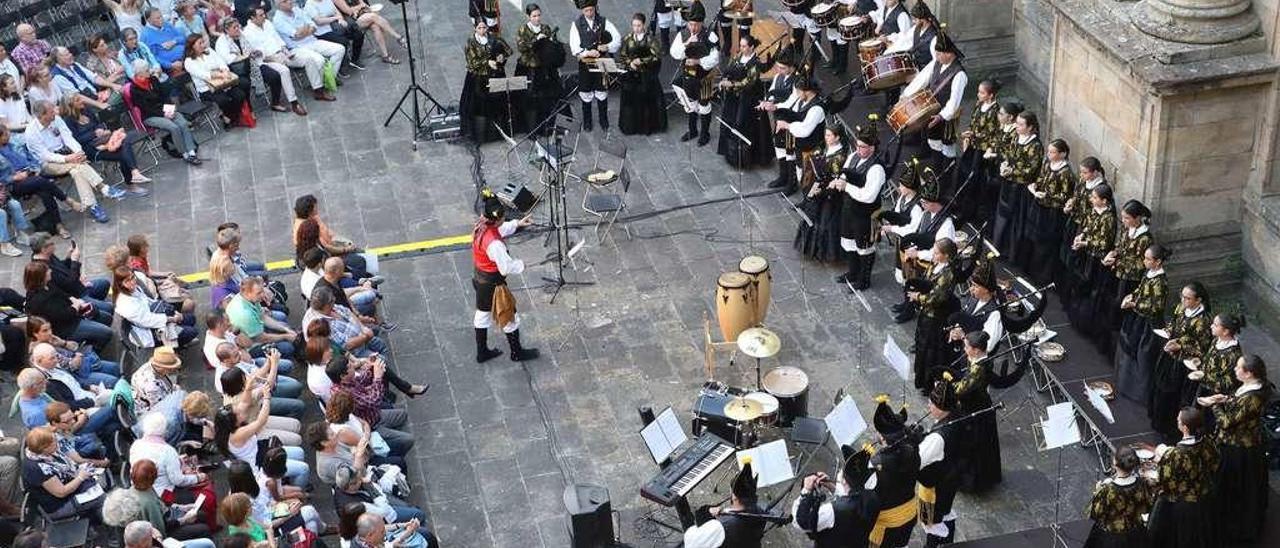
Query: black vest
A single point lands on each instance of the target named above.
(854, 514)
(855, 216)
(705, 37)
(865, 6)
(944, 475)
(922, 46)
(780, 88)
(890, 25)
(897, 470)
(814, 140)
(905, 209)
(940, 81)
(587, 37)
(743, 532)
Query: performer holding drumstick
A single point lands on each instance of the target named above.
(493, 264)
(945, 78)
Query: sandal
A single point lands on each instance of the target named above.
(279, 108)
(403, 41)
(390, 60)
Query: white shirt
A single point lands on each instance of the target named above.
(264, 38)
(1135, 232)
(136, 307)
(65, 377)
(53, 94)
(812, 118)
(219, 368)
(991, 325)
(958, 84)
(870, 191)
(7, 67)
(201, 69)
(575, 43)
(319, 382)
(15, 113)
(904, 24)
(707, 62)
(210, 349)
(1154, 273)
(227, 48)
(169, 474)
(497, 251)
(44, 141)
(308, 281)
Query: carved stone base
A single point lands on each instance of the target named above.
(1197, 21)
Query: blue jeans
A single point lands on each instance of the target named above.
(287, 407)
(92, 333)
(94, 370)
(97, 289)
(365, 302)
(259, 355)
(285, 348)
(255, 268)
(198, 543)
(375, 344)
(287, 387)
(12, 210)
(406, 513)
(297, 472)
(103, 421)
(89, 446)
(178, 128)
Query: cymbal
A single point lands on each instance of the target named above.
(759, 342)
(742, 409)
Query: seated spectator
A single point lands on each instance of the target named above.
(8, 67)
(10, 468)
(188, 19)
(246, 403)
(197, 420)
(237, 511)
(320, 354)
(34, 401)
(250, 483)
(50, 140)
(241, 438)
(371, 531)
(215, 82)
(145, 534)
(61, 489)
(31, 51)
(105, 62)
(20, 173)
(299, 33)
(13, 106)
(216, 15)
(362, 298)
(331, 453)
(165, 41)
(160, 112)
(275, 470)
(40, 87)
(155, 384)
(73, 78)
(350, 429)
(222, 282)
(368, 19)
(74, 447)
(249, 63)
(227, 240)
(127, 13)
(285, 390)
(151, 322)
(306, 236)
(251, 319)
(134, 50)
(331, 26)
(312, 264)
(171, 477)
(171, 288)
(362, 383)
(353, 489)
(263, 36)
(68, 275)
(347, 331)
(83, 363)
(104, 145)
(11, 210)
(69, 315)
(218, 330)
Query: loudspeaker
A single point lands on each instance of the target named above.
(590, 516)
(516, 196)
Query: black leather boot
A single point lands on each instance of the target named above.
(586, 116)
(853, 271)
(483, 352)
(693, 128)
(705, 136)
(604, 113)
(784, 167)
(864, 280)
(518, 352)
(840, 57)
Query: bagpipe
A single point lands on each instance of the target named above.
(549, 50)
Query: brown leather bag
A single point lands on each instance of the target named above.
(504, 305)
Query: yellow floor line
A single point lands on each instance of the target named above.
(384, 251)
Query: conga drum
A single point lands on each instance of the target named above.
(868, 50)
(757, 268)
(735, 304)
(889, 71)
(913, 111)
(791, 386)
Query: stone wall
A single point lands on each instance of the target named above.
(1033, 40)
(984, 30)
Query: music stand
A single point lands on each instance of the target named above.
(604, 66)
(506, 86)
(743, 206)
(689, 105)
(1057, 431)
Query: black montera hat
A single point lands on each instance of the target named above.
(695, 12)
(744, 485)
(869, 133)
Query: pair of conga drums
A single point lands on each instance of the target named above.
(742, 297)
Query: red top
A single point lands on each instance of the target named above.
(481, 237)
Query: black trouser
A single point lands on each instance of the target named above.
(272, 80)
(350, 37)
(45, 189)
(230, 100)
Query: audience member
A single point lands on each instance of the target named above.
(134, 50)
(151, 322)
(159, 112)
(358, 391)
(169, 476)
(8, 67)
(251, 319)
(13, 105)
(262, 36)
(82, 362)
(50, 140)
(94, 423)
(20, 172)
(352, 488)
(127, 13)
(165, 41)
(282, 425)
(61, 489)
(31, 51)
(102, 144)
(188, 19)
(155, 384)
(368, 19)
(299, 33)
(171, 288)
(331, 26)
(249, 62)
(251, 484)
(73, 446)
(215, 82)
(73, 78)
(216, 14)
(40, 86)
(69, 315)
(285, 391)
(306, 236)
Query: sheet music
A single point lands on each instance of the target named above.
(896, 358)
(845, 422)
(682, 97)
(1060, 427)
(770, 462)
(664, 435)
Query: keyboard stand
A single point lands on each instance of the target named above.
(682, 511)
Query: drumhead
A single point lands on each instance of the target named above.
(821, 8)
(753, 264)
(766, 401)
(850, 21)
(786, 381)
(869, 44)
(734, 280)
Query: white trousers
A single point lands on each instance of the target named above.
(781, 154)
(796, 20)
(665, 20)
(312, 63)
(484, 320)
(332, 52)
(286, 81)
(852, 245)
(589, 96)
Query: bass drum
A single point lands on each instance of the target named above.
(888, 71)
(913, 111)
(824, 15)
(854, 29)
(735, 304)
(757, 268)
(791, 386)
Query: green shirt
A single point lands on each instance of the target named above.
(255, 531)
(245, 316)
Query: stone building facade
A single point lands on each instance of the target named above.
(1179, 100)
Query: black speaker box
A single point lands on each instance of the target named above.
(590, 516)
(516, 196)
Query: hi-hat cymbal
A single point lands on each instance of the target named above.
(742, 409)
(759, 342)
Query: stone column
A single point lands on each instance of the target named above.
(1197, 21)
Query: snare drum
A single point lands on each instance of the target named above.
(888, 71)
(868, 50)
(824, 14)
(854, 29)
(757, 268)
(791, 386)
(913, 111)
(769, 404)
(735, 304)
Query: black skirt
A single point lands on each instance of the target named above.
(1090, 310)
(480, 110)
(1070, 276)
(820, 242)
(932, 350)
(1039, 246)
(980, 467)
(1135, 357)
(1098, 538)
(1182, 525)
(1242, 492)
(1169, 383)
(642, 111)
(544, 91)
(1010, 220)
(740, 112)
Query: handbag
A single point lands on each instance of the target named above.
(246, 115)
(170, 291)
(330, 73)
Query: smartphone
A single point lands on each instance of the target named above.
(73, 243)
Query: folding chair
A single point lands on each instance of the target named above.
(70, 532)
(606, 207)
(141, 133)
(124, 437)
(198, 111)
(130, 353)
(611, 147)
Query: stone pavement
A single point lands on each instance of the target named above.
(497, 443)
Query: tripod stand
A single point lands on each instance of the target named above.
(414, 89)
(555, 172)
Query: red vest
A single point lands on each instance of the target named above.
(481, 237)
